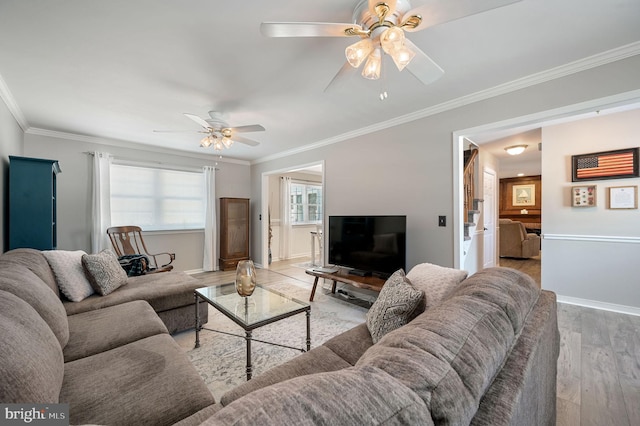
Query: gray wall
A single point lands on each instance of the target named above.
(10, 144)
(74, 192)
(408, 169)
(589, 252)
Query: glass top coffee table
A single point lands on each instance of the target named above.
(264, 306)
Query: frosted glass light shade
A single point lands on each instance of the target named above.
(205, 142)
(401, 57)
(358, 52)
(516, 149)
(371, 69)
(392, 39)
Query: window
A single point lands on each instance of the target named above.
(306, 203)
(156, 199)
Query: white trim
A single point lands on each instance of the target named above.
(157, 165)
(583, 64)
(194, 271)
(604, 306)
(12, 105)
(132, 145)
(592, 238)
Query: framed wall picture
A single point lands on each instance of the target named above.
(618, 164)
(623, 197)
(583, 196)
(524, 195)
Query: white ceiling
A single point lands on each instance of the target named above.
(120, 69)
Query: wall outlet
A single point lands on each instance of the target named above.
(442, 221)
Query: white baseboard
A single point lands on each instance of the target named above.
(194, 271)
(604, 306)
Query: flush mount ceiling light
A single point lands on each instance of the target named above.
(381, 25)
(515, 149)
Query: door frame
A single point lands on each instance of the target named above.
(540, 119)
(265, 204)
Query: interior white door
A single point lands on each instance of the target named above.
(489, 218)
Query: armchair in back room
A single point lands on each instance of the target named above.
(515, 241)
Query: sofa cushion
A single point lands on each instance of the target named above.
(437, 282)
(351, 344)
(163, 291)
(31, 365)
(20, 281)
(147, 382)
(450, 354)
(509, 289)
(35, 261)
(67, 268)
(104, 271)
(394, 306)
(318, 360)
(363, 396)
(97, 331)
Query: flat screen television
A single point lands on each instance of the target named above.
(370, 245)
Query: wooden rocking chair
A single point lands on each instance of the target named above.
(127, 240)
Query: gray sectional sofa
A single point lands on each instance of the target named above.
(482, 351)
(485, 355)
(111, 358)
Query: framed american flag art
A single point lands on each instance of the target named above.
(618, 164)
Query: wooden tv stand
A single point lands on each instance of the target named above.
(369, 283)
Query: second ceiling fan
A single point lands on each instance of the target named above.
(381, 25)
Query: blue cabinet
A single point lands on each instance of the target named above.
(32, 203)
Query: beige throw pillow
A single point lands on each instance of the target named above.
(67, 268)
(437, 282)
(104, 271)
(394, 307)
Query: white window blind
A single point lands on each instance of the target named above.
(156, 198)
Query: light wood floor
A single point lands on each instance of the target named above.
(599, 363)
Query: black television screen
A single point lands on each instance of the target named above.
(370, 244)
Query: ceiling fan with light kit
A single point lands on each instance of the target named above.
(381, 26)
(219, 135)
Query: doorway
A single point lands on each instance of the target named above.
(284, 239)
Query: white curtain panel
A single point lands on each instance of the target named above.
(100, 202)
(285, 217)
(210, 235)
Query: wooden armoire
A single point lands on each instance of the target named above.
(234, 232)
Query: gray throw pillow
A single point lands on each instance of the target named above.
(437, 282)
(104, 271)
(394, 307)
(70, 276)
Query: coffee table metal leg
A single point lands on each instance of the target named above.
(308, 330)
(197, 322)
(249, 366)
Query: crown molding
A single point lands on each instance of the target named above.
(12, 105)
(574, 67)
(130, 145)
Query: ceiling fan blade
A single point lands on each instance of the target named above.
(247, 129)
(422, 66)
(305, 29)
(179, 131)
(198, 120)
(244, 140)
(437, 12)
(341, 76)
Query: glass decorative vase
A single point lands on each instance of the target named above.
(245, 278)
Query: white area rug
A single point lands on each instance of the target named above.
(221, 359)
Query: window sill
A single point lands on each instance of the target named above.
(173, 231)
